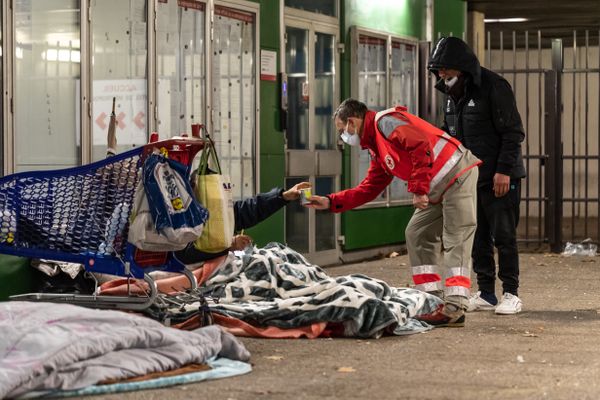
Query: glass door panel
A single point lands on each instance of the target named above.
(47, 78)
(325, 235)
(120, 56)
(404, 76)
(181, 66)
(403, 90)
(312, 153)
(372, 82)
(372, 72)
(233, 91)
(324, 91)
(296, 221)
(296, 63)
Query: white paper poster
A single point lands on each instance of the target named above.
(268, 65)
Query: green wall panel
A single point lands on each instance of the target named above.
(272, 175)
(449, 16)
(269, 29)
(272, 171)
(16, 276)
(270, 230)
(375, 226)
(399, 17)
(271, 138)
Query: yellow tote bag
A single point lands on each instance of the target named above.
(213, 191)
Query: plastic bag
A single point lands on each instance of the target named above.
(166, 216)
(584, 248)
(213, 190)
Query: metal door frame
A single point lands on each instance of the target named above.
(319, 24)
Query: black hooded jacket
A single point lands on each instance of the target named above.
(484, 115)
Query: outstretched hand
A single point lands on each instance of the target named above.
(240, 242)
(319, 202)
(293, 193)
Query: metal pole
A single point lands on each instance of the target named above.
(587, 144)
(540, 139)
(425, 98)
(554, 166)
(574, 164)
(527, 149)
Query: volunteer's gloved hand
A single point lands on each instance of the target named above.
(293, 193)
(240, 242)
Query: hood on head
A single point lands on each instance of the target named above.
(453, 53)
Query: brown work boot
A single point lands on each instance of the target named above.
(446, 315)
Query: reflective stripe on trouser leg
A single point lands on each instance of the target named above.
(458, 282)
(424, 247)
(460, 220)
(427, 278)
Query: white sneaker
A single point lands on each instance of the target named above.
(476, 303)
(510, 304)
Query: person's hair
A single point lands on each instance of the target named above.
(350, 108)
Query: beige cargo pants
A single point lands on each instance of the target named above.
(446, 228)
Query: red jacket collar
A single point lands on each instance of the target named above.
(368, 134)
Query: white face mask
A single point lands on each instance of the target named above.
(350, 139)
(450, 82)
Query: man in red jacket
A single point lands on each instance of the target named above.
(442, 178)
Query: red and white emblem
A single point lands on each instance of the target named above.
(389, 162)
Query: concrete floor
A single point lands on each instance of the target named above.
(549, 351)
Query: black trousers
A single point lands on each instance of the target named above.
(497, 220)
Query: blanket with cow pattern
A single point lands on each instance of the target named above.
(275, 286)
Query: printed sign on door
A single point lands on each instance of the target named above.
(130, 110)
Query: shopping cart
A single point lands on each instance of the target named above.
(81, 215)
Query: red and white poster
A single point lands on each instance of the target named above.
(130, 110)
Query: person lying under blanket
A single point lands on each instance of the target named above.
(275, 291)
